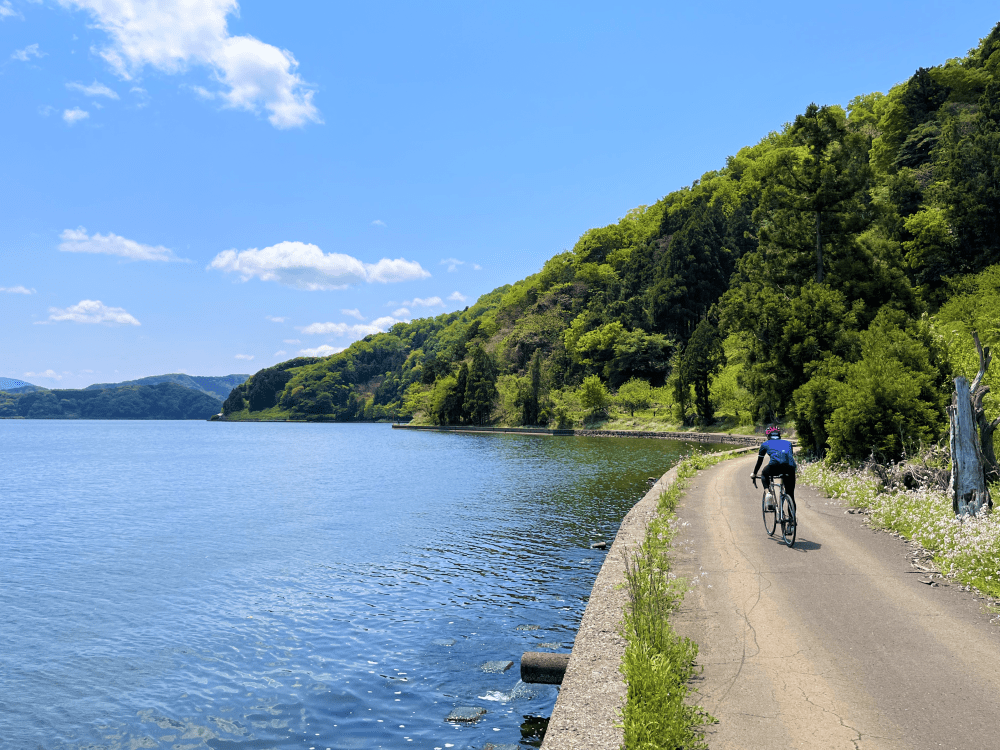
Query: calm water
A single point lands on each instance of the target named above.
(191, 584)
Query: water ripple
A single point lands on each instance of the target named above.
(191, 585)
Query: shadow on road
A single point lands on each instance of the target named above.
(803, 545)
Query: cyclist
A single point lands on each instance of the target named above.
(781, 461)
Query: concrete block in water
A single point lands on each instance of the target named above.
(543, 668)
(466, 714)
(497, 666)
(527, 627)
(491, 746)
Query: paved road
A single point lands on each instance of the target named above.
(834, 643)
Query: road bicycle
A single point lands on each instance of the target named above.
(783, 513)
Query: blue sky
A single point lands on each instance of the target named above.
(211, 187)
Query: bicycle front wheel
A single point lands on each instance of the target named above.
(788, 522)
(770, 516)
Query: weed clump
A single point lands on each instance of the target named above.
(658, 663)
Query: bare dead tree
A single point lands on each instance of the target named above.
(973, 459)
(978, 391)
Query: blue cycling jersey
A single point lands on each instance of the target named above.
(779, 451)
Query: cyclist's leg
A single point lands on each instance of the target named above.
(790, 484)
(766, 475)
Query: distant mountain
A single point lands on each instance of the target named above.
(160, 401)
(19, 386)
(218, 387)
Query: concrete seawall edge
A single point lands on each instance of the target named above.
(698, 437)
(587, 712)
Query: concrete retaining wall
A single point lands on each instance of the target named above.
(700, 437)
(593, 690)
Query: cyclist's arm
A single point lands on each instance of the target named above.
(760, 459)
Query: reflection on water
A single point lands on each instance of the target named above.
(184, 585)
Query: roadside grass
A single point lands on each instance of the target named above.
(964, 549)
(659, 664)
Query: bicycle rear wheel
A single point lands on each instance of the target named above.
(770, 516)
(788, 523)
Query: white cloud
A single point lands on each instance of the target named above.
(387, 271)
(48, 374)
(292, 341)
(77, 241)
(305, 266)
(426, 302)
(6, 11)
(276, 320)
(46, 110)
(457, 297)
(247, 357)
(324, 350)
(355, 313)
(16, 290)
(202, 93)
(401, 313)
(355, 330)
(452, 263)
(73, 116)
(476, 267)
(280, 353)
(378, 223)
(28, 52)
(173, 35)
(94, 89)
(92, 311)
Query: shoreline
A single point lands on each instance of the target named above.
(587, 711)
(697, 437)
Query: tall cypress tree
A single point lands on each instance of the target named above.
(703, 357)
(460, 388)
(481, 389)
(813, 195)
(530, 409)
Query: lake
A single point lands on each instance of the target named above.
(191, 584)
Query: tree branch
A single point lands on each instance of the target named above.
(984, 362)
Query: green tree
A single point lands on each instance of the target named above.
(594, 395)
(813, 191)
(891, 400)
(461, 386)
(481, 389)
(814, 403)
(634, 395)
(970, 166)
(445, 402)
(702, 358)
(531, 404)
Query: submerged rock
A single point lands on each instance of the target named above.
(444, 641)
(466, 714)
(527, 627)
(491, 746)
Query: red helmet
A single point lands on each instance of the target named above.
(772, 431)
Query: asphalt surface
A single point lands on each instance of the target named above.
(833, 643)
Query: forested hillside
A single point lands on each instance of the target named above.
(828, 275)
(217, 386)
(162, 401)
